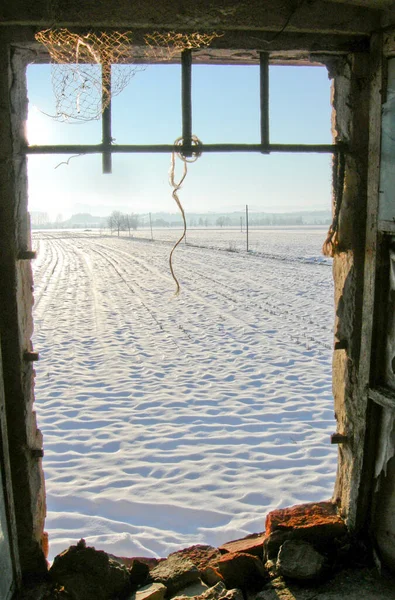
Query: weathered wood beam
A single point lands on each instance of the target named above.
(389, 41)
(351, 99)
(7, 484)
(247, 39)
(106, 118)
(383, 396)
(367, 367)
(234, 47)
(271, 15)
(167, 148)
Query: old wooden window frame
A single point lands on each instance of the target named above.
(353, 504)
(187, 148)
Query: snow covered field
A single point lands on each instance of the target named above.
(172, 420)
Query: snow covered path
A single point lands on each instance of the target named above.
(171, 420)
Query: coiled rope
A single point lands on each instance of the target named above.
(176, 186)
(331, 244)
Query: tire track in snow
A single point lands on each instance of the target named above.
(302, 325)
(129, 417)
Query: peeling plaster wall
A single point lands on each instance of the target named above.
(351, 116)
(16, 324)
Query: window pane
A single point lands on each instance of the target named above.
(148, 111)
(300, 109)
(42, 128)
(225, 104)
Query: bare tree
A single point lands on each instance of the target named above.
(131, 222)
(116, 221)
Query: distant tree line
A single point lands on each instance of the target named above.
(118, 221)
(259, 220)
(255, 220)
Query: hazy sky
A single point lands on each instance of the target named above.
(225, 109)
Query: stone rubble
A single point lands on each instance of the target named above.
(152, 591)
(300, 544)
(241, 570)
(298, 560)
(176, 572)
(89, 574)
(194, 590)
(252, 544)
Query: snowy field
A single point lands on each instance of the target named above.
(291, 244)
(168, 420)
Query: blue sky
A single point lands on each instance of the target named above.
(225, 109)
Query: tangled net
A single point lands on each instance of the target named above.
(87, 70)
(165, 46)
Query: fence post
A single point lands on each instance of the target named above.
(247, 224)
(150, 224)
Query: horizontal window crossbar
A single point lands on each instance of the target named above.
(184, 149)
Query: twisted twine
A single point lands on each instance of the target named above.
(176, 186)
(331, 244)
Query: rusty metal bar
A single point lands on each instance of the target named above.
(30, 356)
(339, 438)
(27, 255)
(167, 148)
(264, 99)
(186, 100)
(106, 118)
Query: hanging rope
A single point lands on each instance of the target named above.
(176, 186)
(331, 243)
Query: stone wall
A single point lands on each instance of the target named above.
(16, 325)
(351, 116)
(351, 124)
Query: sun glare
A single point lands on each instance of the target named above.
(36, 127)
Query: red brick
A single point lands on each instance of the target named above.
(251, 544)
(241, 570)
(201, 556)
(313, 521)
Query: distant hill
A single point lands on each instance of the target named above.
(209, 219)
(233, 219)
(78, 221)
(85, 219)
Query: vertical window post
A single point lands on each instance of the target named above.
(106, 118)
(186, 99)
(264, 100)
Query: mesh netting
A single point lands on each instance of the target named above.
(165, 46)
(87, 70)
